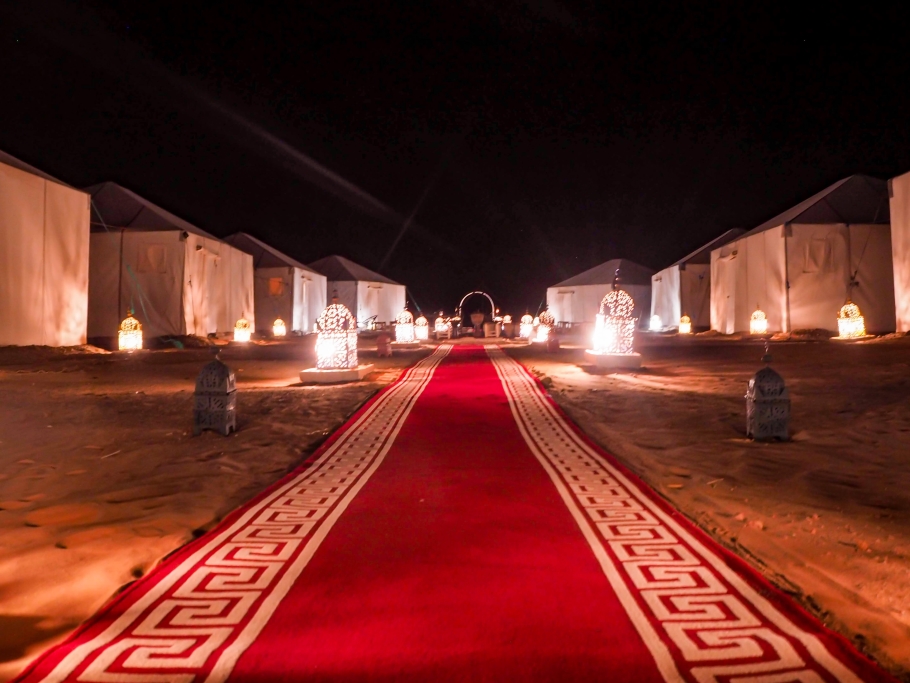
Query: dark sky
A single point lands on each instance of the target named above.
(546, 136)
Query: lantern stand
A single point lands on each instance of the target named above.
(614, 333)
(851, 326)
(215, 399)
(404, 332)
(767, 404)
(336, 348)
(544, 328)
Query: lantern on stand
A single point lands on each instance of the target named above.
(421, 329)
(242, 330)
(545, 323)
(758, 323)
(404, 327)
(279, 329)
(656, 323)
(850, 322)
(614, 333)
(526, 326)
(336, 347)
(443, 327)
(215, 399)
(130, 336)
(685, 325)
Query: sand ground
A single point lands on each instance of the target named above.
(100, 477)
(824, 516)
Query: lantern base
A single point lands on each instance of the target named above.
(617, 361)
(851, 339)
(317, 376)
(405, 346)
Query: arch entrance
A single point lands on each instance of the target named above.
(470, 310)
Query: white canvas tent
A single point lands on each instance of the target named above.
(899, 191)
(577, 300)
(179, 279)
(44, 258)
(367, 294)
(684, 288)
(798, 267)
(284, 287)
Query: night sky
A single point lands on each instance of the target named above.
(538, 138)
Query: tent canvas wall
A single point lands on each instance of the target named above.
(899, 191)
(284, 287)
(798, 267)
(366, 293)
(44, 258)
(179, 279)
(684, 288)
(577, 300)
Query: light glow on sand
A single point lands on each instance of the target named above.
(685, 325)
(850, 322)
(336, 340)
(404, 327)
(614, 327)
(421, 329)
(758, 323)
(279, 329)
(130, 335)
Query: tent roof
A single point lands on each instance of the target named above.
(703, 253)
(340, 269)
(629, 274)
(264, 255)
(854, 199)
(122, 208)
(10, 160)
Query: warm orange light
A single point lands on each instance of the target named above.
(242, 330)
(279, 329)
(130, 336)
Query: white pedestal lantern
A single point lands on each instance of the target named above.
(656, 324)
(443, 327)
(404, 327)
(850, 322)
(242, 330)
(421, 329)
(526, 326)
(215, 401)
(130, 336)
(767, 405)
(279, 329)
(545, 323)
(685, 325)
(614, 333)
(336, 348)
(758, 323)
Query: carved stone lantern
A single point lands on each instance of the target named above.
(215, 404)
(767, 405)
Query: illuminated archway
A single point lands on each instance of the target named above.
(470, 294)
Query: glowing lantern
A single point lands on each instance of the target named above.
(404, 327)
(336, 340)
(130, 336)
(544, 325)
(685, 325)
(421, 329)
(850, 322)
(758, 324)
(279, 329)
(656, 323)
(507, 319)
(526, 326)
(614, 329)
(242, 330)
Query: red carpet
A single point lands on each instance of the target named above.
(458, 528)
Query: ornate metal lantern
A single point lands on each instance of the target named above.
(336, 341)
(545, 323)
(767, 405)
(242, 330)
(614, 328)
(404, 327)
(130, 336)
(279, 329)
(526, 326)
(421, 329)
(850, 322)
(758, 323)
(685, 325)
(215, 401)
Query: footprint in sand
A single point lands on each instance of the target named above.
(64, 515)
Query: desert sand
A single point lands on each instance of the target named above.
(100, 477)
(824, 516)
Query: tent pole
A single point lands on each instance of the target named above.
(787, 228)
